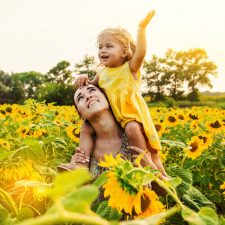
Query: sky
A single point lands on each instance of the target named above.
(37, 34)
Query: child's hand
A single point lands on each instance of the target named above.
(145, 161)
(143, 24)
(81, 80)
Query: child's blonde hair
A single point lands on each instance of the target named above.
(123, 36)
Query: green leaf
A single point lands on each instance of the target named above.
(32, 150)
(4, 155)
(176, 144)
(199, 198)
(81, 199)
(68, 181)
(108, 212)
(206, 216)
(4, 214)
(209, 216)
(78, 200)
(25, 213)
(174, 182)
(101, 179)
(186, 177)
(191, 217)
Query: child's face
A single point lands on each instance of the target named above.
(111, 52)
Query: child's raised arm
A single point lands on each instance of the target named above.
(138, 57)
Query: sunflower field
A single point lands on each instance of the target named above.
(35, 138)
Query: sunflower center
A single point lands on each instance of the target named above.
(194, 146)
(204, 139)
(158, 127)
(181, 117)
(145, 202)
(215, 124)
(172, 119)
(74, 133)
(193, 117)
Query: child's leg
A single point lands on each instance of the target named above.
(86, 142)
(156, 159)
(158, 163)
(86, 145)
(134, 133)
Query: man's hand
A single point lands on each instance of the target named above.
(81, 80)
(143, 24)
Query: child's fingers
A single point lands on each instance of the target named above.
(136, 149)
(147, 19)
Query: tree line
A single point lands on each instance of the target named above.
(168, 76)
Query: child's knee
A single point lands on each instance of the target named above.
(133, 129)
(86, 129)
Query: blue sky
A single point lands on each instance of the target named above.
(37, 34)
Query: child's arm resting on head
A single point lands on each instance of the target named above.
(94, 81)
(82, 80)
(138, 57)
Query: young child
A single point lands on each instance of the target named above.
(120, 80)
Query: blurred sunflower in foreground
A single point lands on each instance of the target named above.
(126, 188)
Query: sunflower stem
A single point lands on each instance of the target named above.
(184, 157)
(9, 200)
(169, 191)
(64, 217)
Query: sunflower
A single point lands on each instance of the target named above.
(194, 116)
(181, 118)
(206, 139)
(12, 171)
(215, 126)
(119, 198)
(194, 126)
(4, 143)
(222, 186)
(124, 186)
(150, 204)
(196, 148)
(109, 161)
(39, 193)
(160, 128)
(171, 120)
(73, 132)
(23, 131)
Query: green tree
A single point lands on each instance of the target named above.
(30, 82)
(155, 79)
(60, 73)
(173, 73)
(196, 70)
(60, 93)
(11, 89)
(86, 66)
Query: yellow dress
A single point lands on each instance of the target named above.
(125, 99)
